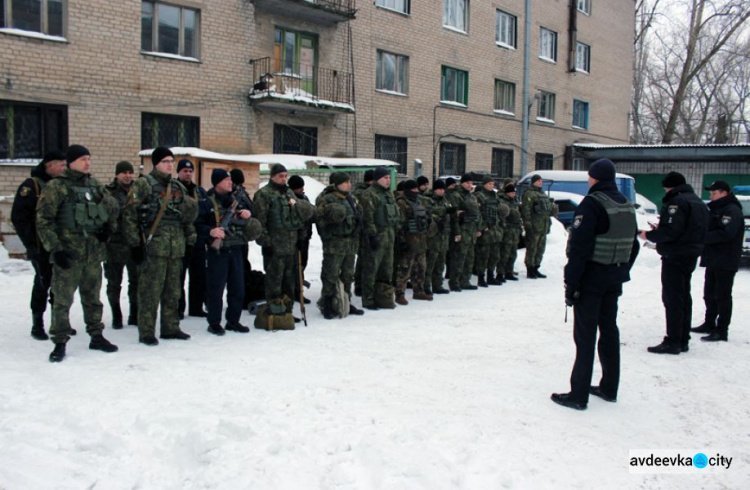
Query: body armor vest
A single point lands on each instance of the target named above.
(349, 224)
(281, 216)
(83, 211)
(489, 209)
(236, 228)
(615, 246)
(418, 222)
(471, 209)
(149, 209)
(386, 214)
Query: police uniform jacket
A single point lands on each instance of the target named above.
(682, 224)
(726, 230)
(590, 220)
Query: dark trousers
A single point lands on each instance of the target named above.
(596, 309)
(197, 285)
(675, 294)
(113, 272)
(40, 292)
(225, 271)
(717, 294)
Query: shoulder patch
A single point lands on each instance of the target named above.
(725, 220)
(577, 221)
(672, 210)
(24, 191)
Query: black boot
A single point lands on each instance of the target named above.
(116, 316)
(705, 327)
(176, 335)
(567, 400)
(482, 283)
(531, 272)
(353, 310)
(58, 354)
(510, 277)
(539, 274)
(718, 334)
(98, 342)
(37, 327)
(236, 327)
(328, 312)
(666, 347)
(133, 319)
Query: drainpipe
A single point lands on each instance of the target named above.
(526, 99)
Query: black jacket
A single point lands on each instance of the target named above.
(726, 232)
(682, 224)
(591, 219)
(23, 213)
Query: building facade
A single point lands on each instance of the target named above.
(438, 82)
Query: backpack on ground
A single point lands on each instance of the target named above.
(275, 315)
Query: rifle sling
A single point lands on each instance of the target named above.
(162, 208)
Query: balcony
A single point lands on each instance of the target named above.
(301, 87)
(320, 11)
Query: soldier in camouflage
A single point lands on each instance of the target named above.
(412, 243)
(494, 212)
(536, 210)
(282, 216)
(438, 236)
(23, 217)
(513, 227)
(75, 217)
(158, 225)
(297, 185)
(466, 226)
(340, 227)
(357, 193)
(119, 256)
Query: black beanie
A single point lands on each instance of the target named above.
(218, 175)
(74, 152)
(338, 178)
(379, 173)
(159, 154)
(466, 178)
(410, 184)
(52, 155)
(450, 181)
(422, 180)
(602, 169)
(673, 179)
(509, 188)
(438, 184)
(535, 177)
(295, 182)
(184, 163)
(123, 166)
(238, 176)
(277, 168)
(368, 175)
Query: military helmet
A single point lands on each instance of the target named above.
(305, 210)
(335, 212)
(503, 210)
(253, 229)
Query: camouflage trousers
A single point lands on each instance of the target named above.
(486, 257)
(462, 260)
(113, 272)
(86, 277)
(377, 266)
(508, 251)
(336, 267)
(535, 245)
(436, 253)
(411, 265)
(280, 270)
(159, 283)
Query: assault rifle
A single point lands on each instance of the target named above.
(224, 225)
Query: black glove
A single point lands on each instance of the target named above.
(103, 235)
(267, 251)
(62, 259)
(572, 295)
(300, 244)
(403, 246)
(139, 254)
(452, 210)
(188, 253)
(374, 242)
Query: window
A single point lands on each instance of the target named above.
(505, 96)
(169, 29)
(454, 86)
(580, 114)
(392, 72)
(31, 130)
(548, 45)
(544, 161)
(579, 164)
(546, 107)
(392, 148)
(168, 130)
(502, 163)
(296, 54)
(505, 29)
(397, 5)
(584, 6)
(44, 16)
(583, 57)
(452, 159)
(456, 14)
(295, 140)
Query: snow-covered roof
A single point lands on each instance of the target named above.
(301, 97)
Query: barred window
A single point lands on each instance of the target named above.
(44, 16)
(168, 130)
(295, 140)
(392, 148)
(28, 131)
(452, 159)
(544, 161)
(502, 162)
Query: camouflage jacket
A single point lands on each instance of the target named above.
(468, 218)
(415, 219)
(175, 230)
(441, 221)
(536, 210)
(513, 220)
(282, 215)
(379, 211)
(339, 222)
(118, 249)
(492, 208)
(59, 198)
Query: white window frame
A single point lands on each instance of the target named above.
(579, 164)
(548, 45)
(401, 67)
(155, 49)
(456, 15)
(545, 111)
(400, 6)
(43, 20)
(583, 57)
(506, 29)
(501, 106)
(584, 6)
(577, 106)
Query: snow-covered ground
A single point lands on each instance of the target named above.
(449, 394)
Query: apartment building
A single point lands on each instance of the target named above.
(439, 82)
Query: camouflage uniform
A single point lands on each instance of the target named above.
(72, 210)
(119, 257)
(340, 228)
(281, 223)
(438, 236)
(466, 225)
(488, 246)
(159, 274)
(412, 243)
(357, 193)
(381, 218)
(509, 247)
(536, 210)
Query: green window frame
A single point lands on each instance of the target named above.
(454, 86)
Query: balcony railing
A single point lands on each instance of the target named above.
(327, 11)
(301, 83)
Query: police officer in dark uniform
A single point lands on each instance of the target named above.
(602, 247)
(721, 258)
(679, 239)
